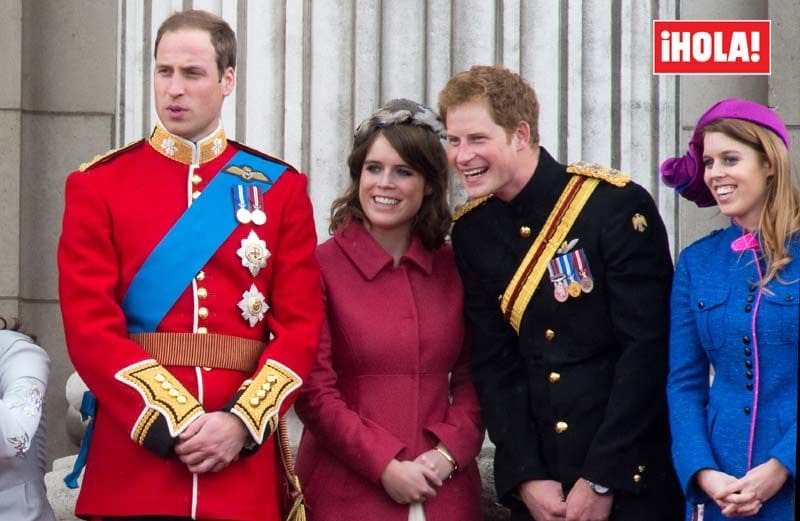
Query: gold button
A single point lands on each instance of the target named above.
(202, 313)
(201, 276)
(181, 399)
(202, 293)
(196, 179)
(266, 387)
(202, 330)
(254, 401)
(642, 468)
(549, 335)
(271, 379)
(554, 377)
(166, 385)
(637, 478)
(561, 427)
(261, 393)
(159, 377)
(174, 392)
(524, 232)
(195, 194)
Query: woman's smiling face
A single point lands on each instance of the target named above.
(736, 174)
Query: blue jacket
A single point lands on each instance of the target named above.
(715, 298)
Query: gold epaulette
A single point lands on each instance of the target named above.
(596, 170)
(264, 155)
(100, 158)
(468, 206)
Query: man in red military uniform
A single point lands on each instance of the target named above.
(191, 300)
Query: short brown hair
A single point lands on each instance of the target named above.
(222, 36)
(509, 97)
(421, 150)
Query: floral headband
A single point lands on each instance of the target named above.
(399, 111)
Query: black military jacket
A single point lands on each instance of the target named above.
(580, 392)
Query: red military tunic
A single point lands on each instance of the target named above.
(118, 208)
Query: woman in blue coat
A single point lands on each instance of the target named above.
(735, 309)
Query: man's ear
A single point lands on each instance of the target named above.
(228, 81)
(521, 135)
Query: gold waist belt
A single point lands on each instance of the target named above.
(194, 350)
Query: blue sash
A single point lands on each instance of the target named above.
(190, 243)
(175, 261)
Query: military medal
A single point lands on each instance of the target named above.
(559, 281)
(254, 253)
(241, 205)
(253, 305)
(560, 290)
(257, 202)
(573, 288)
(584, 275)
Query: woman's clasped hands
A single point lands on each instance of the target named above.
(744, 496)
(416, 481)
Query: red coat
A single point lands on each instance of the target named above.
(380, 387)
(117, 211)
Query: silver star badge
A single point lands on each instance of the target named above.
(253, 305)
(254, 253)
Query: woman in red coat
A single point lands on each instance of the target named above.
(392, 426)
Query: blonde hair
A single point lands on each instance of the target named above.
(780, 216)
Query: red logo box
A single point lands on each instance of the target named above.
(712, 47)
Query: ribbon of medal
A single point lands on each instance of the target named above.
(257, 203)
(241, 206)
(559, 281)
(584, 274)
(573, 288)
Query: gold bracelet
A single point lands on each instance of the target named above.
(449, 457)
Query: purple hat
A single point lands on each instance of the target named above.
(685, 173)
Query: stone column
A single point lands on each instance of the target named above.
(10, 135)
(784, 93)
(69, 77)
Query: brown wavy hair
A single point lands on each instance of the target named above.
(509, 97)
(13, 324)
(780, 216)
(222, 36)
(421, 150)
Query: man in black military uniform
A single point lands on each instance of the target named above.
(567, 278)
